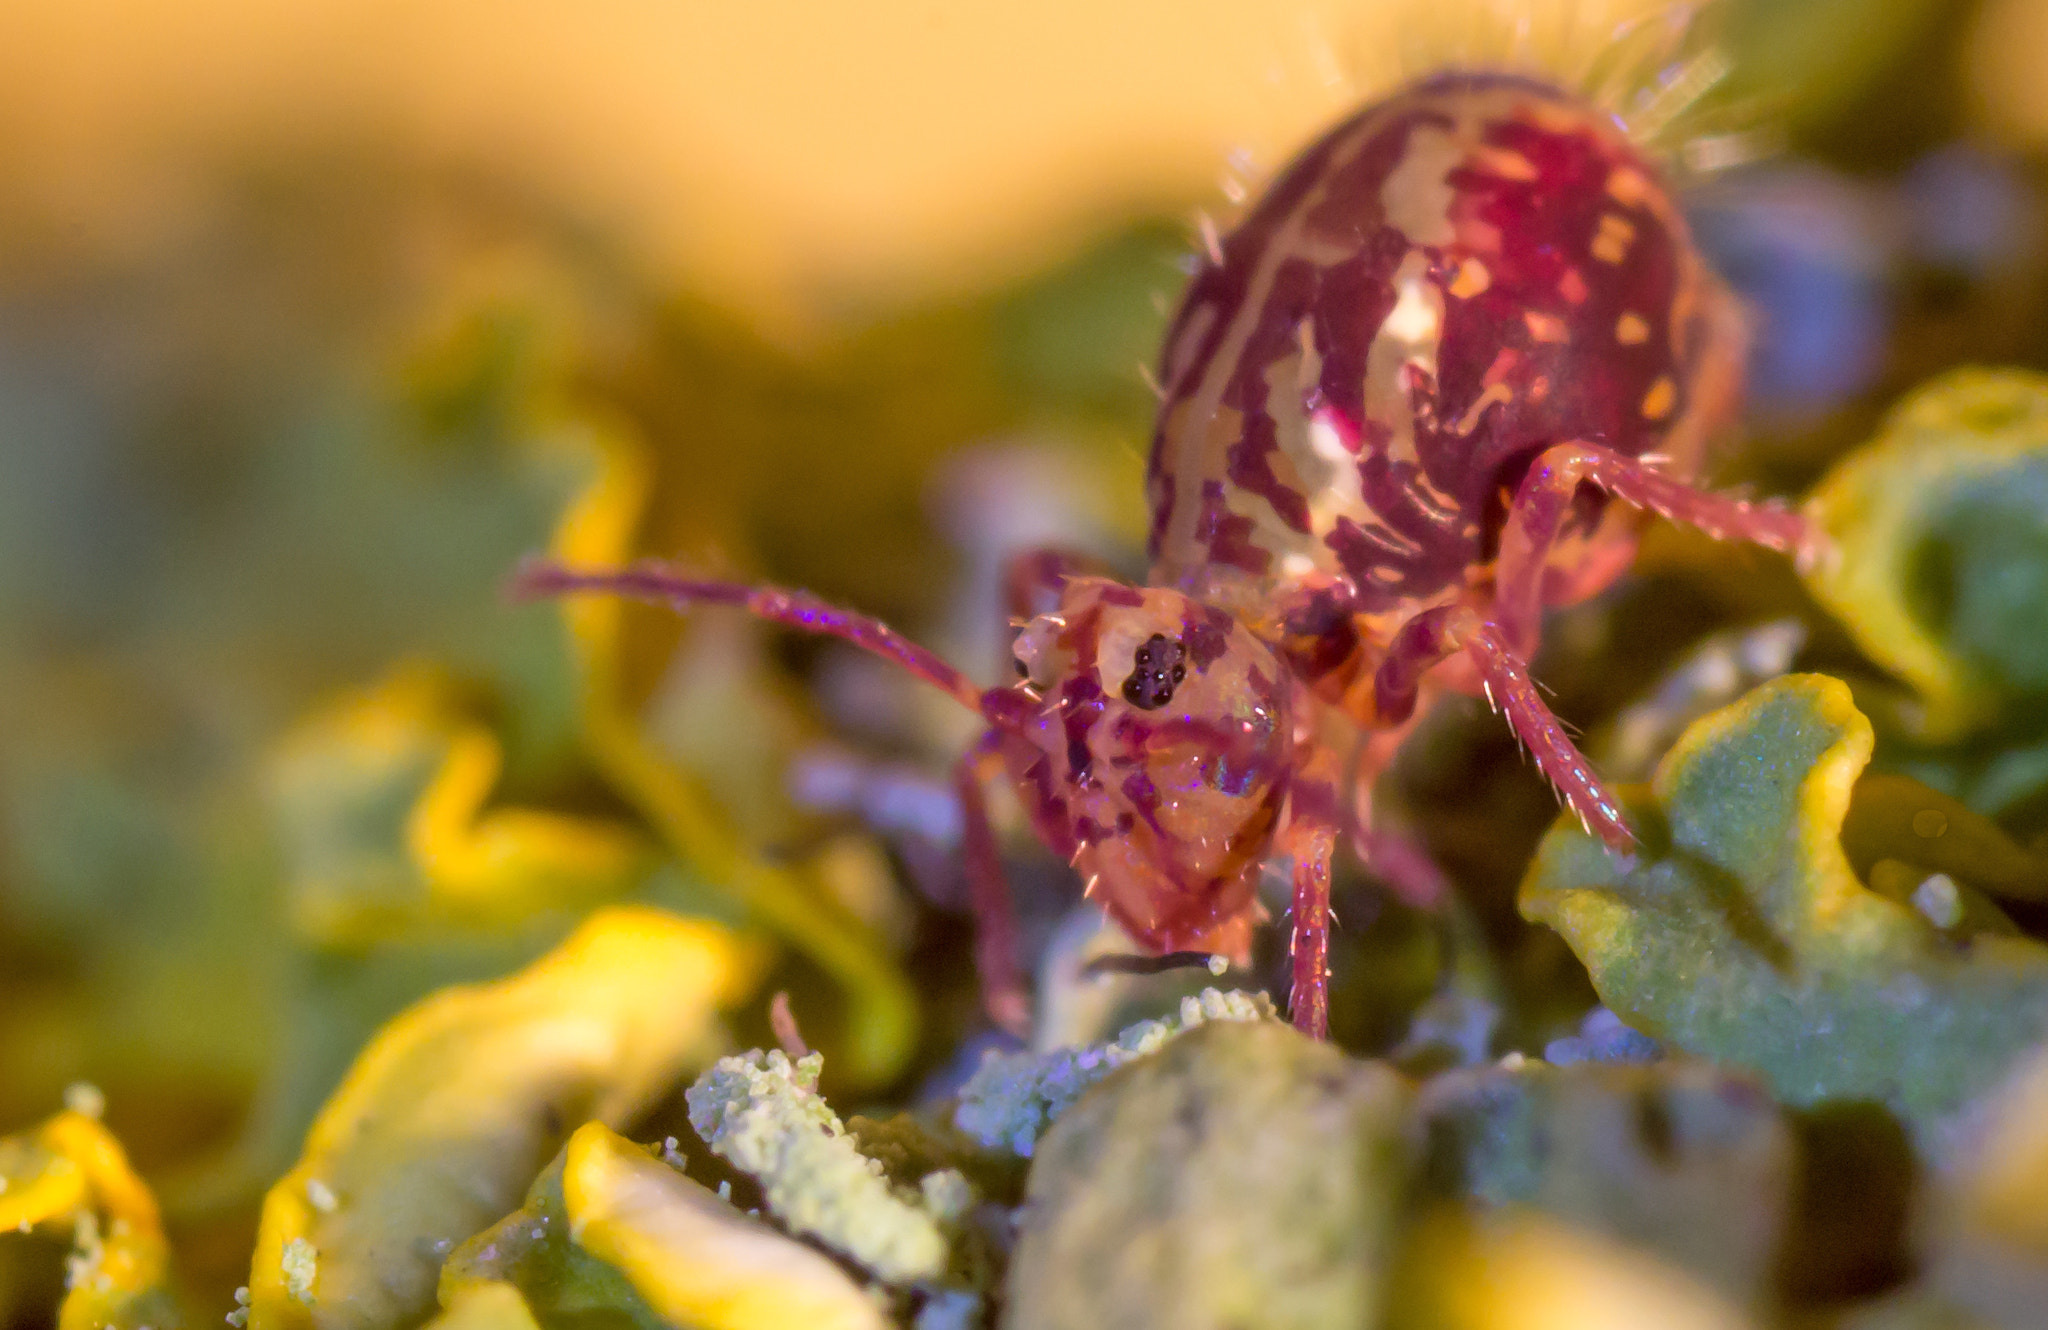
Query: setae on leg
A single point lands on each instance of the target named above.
(1435, 634)
(1308, 836)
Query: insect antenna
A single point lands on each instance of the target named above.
(660, 583)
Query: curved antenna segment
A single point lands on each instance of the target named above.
(662, 583)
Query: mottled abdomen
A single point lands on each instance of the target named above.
(1455, 278)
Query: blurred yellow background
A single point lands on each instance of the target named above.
(772, 153)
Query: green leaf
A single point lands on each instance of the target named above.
(1940, 565)
(451, 1111)
(530, 1250)
(1740, 933)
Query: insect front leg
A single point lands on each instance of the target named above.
(1436, 634)
(1308, 836)
(1537, 515)
(988, 891)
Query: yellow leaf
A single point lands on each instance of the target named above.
(598, 530)
(1520, 1271)
(454, 1107)
(486, 1307)
(1936, 566)
(382, 801)
(696, 1260)
(72, 1172)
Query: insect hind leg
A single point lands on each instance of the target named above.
(1536, 518)
(1433, 636)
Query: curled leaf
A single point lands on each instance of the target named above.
(71, 1173)
(695, 1259)
(1897, 819)
(1740, 933)
(381, 801)
(486, 1307)
(1940, 527)
(1523, 1271)
(454, 1107)
(531, 1250)
(597, 530)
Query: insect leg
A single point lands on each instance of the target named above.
(664, 584)
(1433, 635)
(995, 915)
(1545, 498)
(1308, 836)
(1034, 578)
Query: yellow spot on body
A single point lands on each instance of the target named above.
(1545, 327)
(1415, 318)
(1416, 197)
(1539, 387)
(1616, 234)
(1572, 286)
(1657, 402)
(1498, 392)
(1503, 163)
(1632, 330)
(1628, 186)
(1470, 279)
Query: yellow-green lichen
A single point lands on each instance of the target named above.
(1739, 932)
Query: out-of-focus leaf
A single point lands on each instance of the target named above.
(1243, 1176)
(1738, 931)
(1895, 818)
(486, 1307)
(613, 1238)
(882, 1019)
(451, 1111)
(695, 1259)
(1523, 1271)
(559, 1281)
(1678, 1160)
(1984, 1225)
(381, 799)
(1940, 566)
(70, 1173)
(1812, 58)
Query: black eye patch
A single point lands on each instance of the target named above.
(1157, 670)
